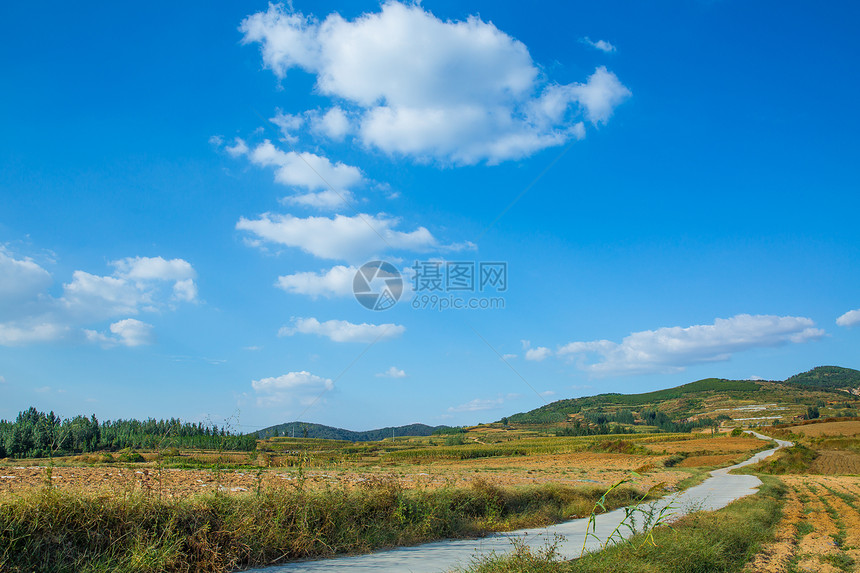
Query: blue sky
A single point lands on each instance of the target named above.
(186, 193)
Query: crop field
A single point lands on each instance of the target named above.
(503, 458)
(820, 529)
(842, 428)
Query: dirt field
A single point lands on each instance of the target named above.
(711, 445)
(820, 529)
(834, 462)
(572, 469)
(846, 428)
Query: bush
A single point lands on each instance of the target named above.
(129, 456)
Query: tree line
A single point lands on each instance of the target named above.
(35, 434)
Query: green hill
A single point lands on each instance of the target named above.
(834, 377)
(707, 402)
(298, 429)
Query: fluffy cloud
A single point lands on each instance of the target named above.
(671, 349)
(154, 268)
(601, 45)
(302, 387)
(335, 282)
(306, 170)
(454, 91)
(333, 124)
(20, 281)
(538, 354)
(138, 284)
(392, 372)
(343, 331)
(129, 332)
(342, 238)
(850, 318)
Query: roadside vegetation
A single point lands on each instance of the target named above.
(719, 541)
(49, 530)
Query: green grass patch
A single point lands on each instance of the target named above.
(793, 460)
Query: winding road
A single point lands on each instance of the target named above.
(714, 493)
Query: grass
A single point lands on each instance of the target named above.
(702, 542)
(59, 531)
(793, 460)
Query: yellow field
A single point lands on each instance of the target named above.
(497, 456)
(844, 428)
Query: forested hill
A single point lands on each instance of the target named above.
(308, 430)
(828, 377)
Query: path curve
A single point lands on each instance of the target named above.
(714, 493)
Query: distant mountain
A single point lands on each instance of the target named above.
(833, 377)
(308, 430)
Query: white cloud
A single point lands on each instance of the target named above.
(754, 377)
(30, 332)
(2, 380)
(850, 318)
(343, 238)
(477, 405)
(508, 356)
(335, 282)
(343, 331)
(288, 124)
(238, 148)
(327, 200)
(392, 372)
(333, 124)
(19, 278)
(671, 349)
(185, 290)
(91, 295)
(300, 386)
(154, 268)
(453, 91)
(138, 284)
(306, 170)
(538, 354)
(600, 95)
(601, 45)
(129, 332)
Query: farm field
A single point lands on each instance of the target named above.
(410, 462)
(820, 529)
(838, 428)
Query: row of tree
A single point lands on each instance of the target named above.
(35, 434)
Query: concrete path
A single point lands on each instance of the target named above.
(714, 493)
